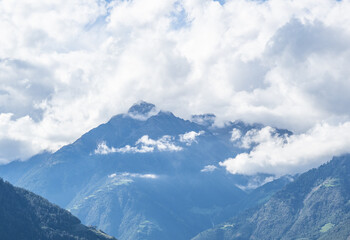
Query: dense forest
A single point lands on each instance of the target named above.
(27, 216)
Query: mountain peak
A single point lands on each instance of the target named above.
(142, 110)
(141, 107)
(207, 119)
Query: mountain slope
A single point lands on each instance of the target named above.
(315, 206)
(24, 215)
(142, 175)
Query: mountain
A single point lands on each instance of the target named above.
(145, 174)
(315, 206)
(24, 215)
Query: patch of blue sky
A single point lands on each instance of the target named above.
(179, 17)
(101, 20)
(222, 2)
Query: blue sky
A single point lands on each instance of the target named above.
(68, 66)
(220, 1)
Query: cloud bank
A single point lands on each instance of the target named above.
(281, 155)
(67, 66)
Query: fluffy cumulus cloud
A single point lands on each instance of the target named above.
(67, 66)
(286, 154)
(235, 135)
(144, 145)
(164, 143)
(190, 137)
(103, 149)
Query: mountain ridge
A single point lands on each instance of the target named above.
(315, 206)
(25, 215)
(136, 167)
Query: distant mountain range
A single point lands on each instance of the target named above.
(26, 216)
(315, 206)
(148, 174)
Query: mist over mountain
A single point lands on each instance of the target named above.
(146, 174)
(241, 98)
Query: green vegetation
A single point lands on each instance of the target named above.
(24, 215)
(314, 206)
(332, 182)
(326, 227)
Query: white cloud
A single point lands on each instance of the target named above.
(190, 137)
(103, 149)
(133, 175)
(256, 182)
(137, 149)
(164, 143)
(142, 145)
(204, 119)
(235, 134)
(67, 66)
(22, 137)
(291, 154)
(143, 117)
(209, 168)
(256, 136)
(142, 111)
